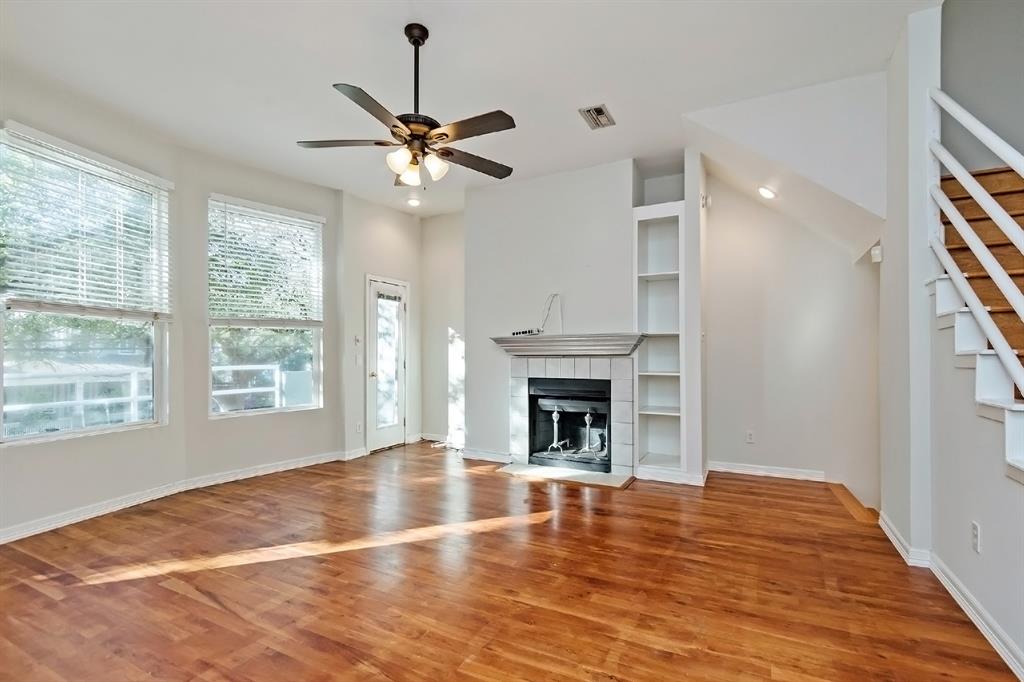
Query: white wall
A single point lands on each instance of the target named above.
(969, 483)
(377, 240)
(893, 367)
(983, 70)
(831, 133)
(569, 233)
(907, 313)
(792, 329)
(443, 274)
(46, 479)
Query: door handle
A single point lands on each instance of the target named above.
(373, 375)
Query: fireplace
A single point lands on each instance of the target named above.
(569, 423)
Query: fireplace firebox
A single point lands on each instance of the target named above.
(569, 423)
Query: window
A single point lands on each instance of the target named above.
(85, 285)
(266, 307)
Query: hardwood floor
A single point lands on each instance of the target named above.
(415, 565)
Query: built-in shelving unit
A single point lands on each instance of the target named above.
(658, 231)
(667, 439)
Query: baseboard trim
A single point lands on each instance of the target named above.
(911, 555)
(89, 511)
(413, 438)
(486, 455)
(663, 475)
(759, 470)
(982, 619)
(435, 437)
(355, 453)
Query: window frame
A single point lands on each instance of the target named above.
(317, 326)
(105, 167)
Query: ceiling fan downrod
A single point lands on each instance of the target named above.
(417, 35)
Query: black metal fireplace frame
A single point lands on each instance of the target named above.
(574, 397)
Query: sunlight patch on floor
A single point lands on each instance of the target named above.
(301, 550)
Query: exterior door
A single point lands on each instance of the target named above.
(385, 363)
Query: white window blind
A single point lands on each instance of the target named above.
(263, 265)
(79, 235)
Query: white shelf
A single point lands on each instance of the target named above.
(669, 209)
(658, 276)
(662, 410)
(658, 437)
(661, 460)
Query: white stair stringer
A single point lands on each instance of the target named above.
(993, 387)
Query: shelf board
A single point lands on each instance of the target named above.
(665, 410)
(669, 209)
(644, 373)
(658, 459)
(660, 333)
(658, 276)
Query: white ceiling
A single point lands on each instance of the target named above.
(245, 80)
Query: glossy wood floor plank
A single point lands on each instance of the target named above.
(413, 564)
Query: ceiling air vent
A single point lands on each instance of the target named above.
(597, 117)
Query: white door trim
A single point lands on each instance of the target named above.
(370, 278)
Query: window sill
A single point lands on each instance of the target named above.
(218, 416)
(1015, 470)
(71, 435)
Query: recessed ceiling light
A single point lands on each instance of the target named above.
(413, 201)
(766, 192)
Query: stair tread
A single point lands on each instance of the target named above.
(1012, 405)
(985, 171)
(978, 274)
(990, 308)
(991, 245)
(1013, 213)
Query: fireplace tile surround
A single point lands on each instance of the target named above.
(615, 368)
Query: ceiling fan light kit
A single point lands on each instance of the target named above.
(411, 175)
(420, 139)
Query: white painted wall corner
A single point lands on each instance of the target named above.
(913, 556)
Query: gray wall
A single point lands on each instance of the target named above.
(792, 346)
(571, 233)
(42, 481)
(442, 266)
(983, 70)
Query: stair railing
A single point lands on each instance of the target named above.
(999, 216)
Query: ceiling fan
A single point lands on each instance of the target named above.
(420, 139)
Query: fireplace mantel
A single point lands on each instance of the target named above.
(571, 344)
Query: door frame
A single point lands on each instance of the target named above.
(370, 278)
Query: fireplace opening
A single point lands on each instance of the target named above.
(570, 424)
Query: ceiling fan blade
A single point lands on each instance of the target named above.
(474, 162)
(372, 106)
(317, 144)
(471, 127)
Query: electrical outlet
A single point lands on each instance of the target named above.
(359, 427)
(750, 436)
(976, 536)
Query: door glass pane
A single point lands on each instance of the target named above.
(68, 373)
(387, 360)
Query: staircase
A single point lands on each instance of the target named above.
(1007, 188)
(979, 242)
